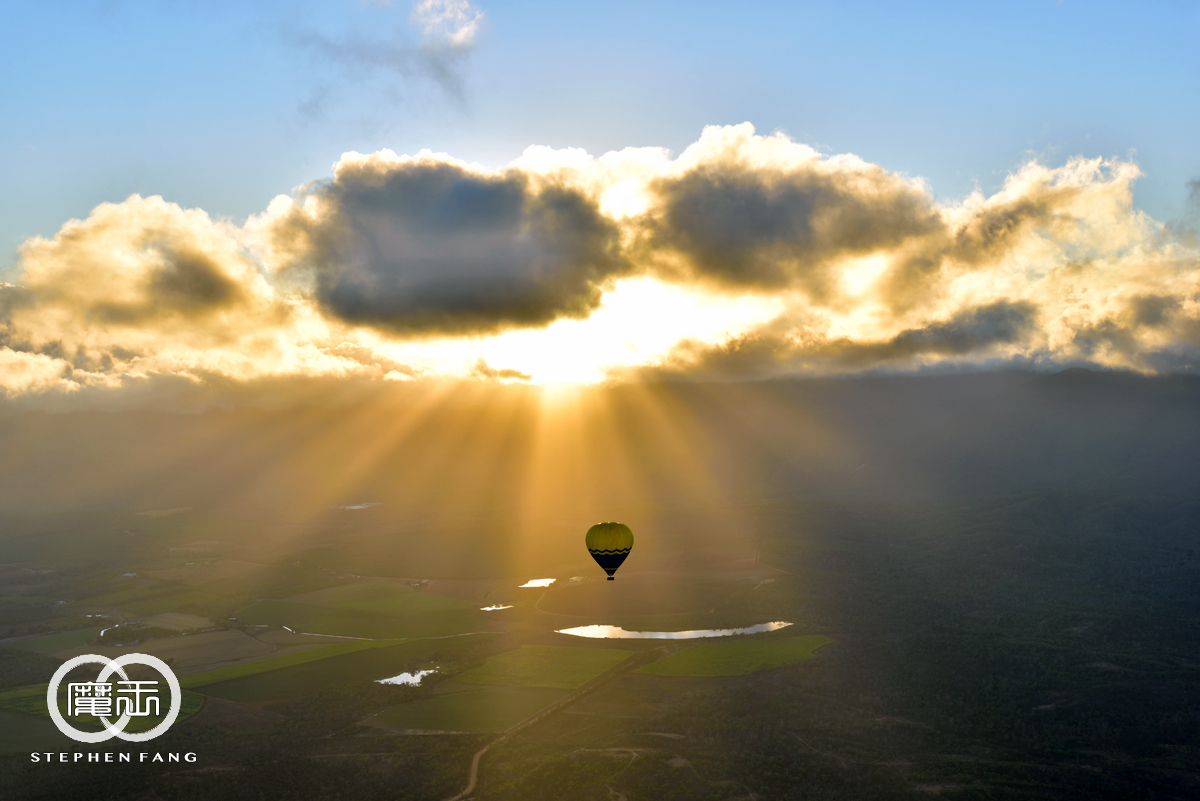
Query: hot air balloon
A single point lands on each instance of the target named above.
(609, 544)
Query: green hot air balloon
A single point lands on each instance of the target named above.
(609, 544)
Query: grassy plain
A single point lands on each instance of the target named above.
(462, 707)
(737, 657)
(159, 598)
(384, 597)
(53, 643)
(31, 700)
(191, 653)
(545, 666)
(352, 623)
(348, 669)
(286, 660)
(633, 595)
(22, 733)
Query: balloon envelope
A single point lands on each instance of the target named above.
(609, 544)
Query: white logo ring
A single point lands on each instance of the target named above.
(112, 666)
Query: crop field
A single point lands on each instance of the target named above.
(31, 701)
(629, 696)
(26, 600)
(634, 594)
(545, 666)
(737, 657)
(197, 573)
(192, 653)
(285, 660)
(384, 597)
(53, 643)
(264, 581)
(23, 734)
(159, 598)
(351, 623)
(348, 669)
(178, 621)
(462, 707)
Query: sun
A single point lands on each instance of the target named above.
(639, 322)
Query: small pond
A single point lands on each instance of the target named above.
(616, 632)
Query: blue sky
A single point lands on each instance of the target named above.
(224, 105)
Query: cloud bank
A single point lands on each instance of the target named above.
(745, 255)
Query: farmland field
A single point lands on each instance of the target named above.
(160, 598)
(178, 621)
(53, 643)
(282, 661)
(22, 733)
(634, 595)
(351, 623)
(192, 653)
(545, 666)
(31, 701)
(348, 669)
(469, 708)
(384, 597)
(736, 658)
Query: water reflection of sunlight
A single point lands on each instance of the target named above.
(616, 632)
(411, 679)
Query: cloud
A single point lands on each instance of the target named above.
(448, 30)
(745, 255)
(427, 244)
(786, 222)
(779, 349)
(482, 370)
(145, 287)
(447, 23)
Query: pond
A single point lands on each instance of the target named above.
(407, 678)
(616, 632)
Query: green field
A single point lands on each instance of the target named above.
(26, 600)
(278, 662)
(736, 658)
(52, 643)
(347, 669)
(351, 623)
(159, 598)
(31, 700)
(469, 708)
(384, 597)
(545, 666)
(22, 734)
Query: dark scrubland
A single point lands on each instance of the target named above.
(1007, 566)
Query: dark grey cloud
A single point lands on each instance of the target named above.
(429, 246)
(969, 331)
(187, 282)
(483, 370)
(1154, 310)
(775, 349)
(747, 226)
